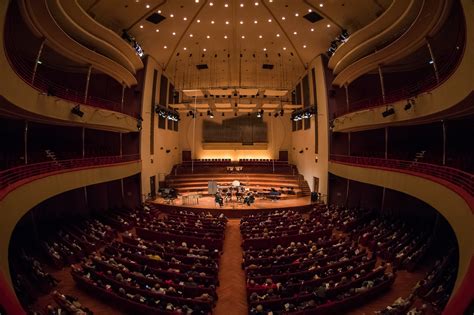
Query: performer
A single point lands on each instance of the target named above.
(218, 199)
(249, 199)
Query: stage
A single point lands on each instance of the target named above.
(234, 209)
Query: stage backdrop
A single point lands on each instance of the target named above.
(235, 137)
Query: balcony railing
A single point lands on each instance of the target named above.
(24, 67)
(461, 179)
(445, 67)
(10, 177)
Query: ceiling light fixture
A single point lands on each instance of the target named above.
(304, 46)
(165, 47)
(199, 21)
(241, 5)
(264, 49)
(141, 26)
(321, 5)
(297, 14)
(185, 18)
(157, 30)
(226, 5)
(147, 6)
(241, 22)
(184, 48)
(312, 30)
(173, 33)
(269, 20)
(278, 35)
(295, 33)
(309, 10)
(208, 36)
(225, 36)
(159, 11)
(212, 22)
(227, 22)
(243, 37)
(171, 15)
(204, 49)
(255, 21)
(260, 36)
(329, 25)
(211, 4)
(256, 3)
(190, 35)
(284, 48)
(283, 18)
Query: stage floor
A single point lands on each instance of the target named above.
(208, 203)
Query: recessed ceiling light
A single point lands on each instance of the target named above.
(173, 33)
(157, 30)
(256, 3)
(185, 18)
(211, 4)
(212, 22)
(171, 15)
(184, 48)
(241, 5)
(283, 18)
(241, 22)
(147, 6)
(204, 49)
(226, 22)
(255, 21)
(226, 5)
(309, 10)
(225, 36)
(329, 25)
(270, 1)
(165, 47)
(208, 36)
(284, 48)
(312, 30)
(278, 35)
(269, 20)
(243, 36)
(264, 49)
(296, 14)
(141, 26)
(190, 35)
(260, 36)
(321, 5)
(304, 46)
(199, 21)
(294, 33)
(197, 1)
(159, 11)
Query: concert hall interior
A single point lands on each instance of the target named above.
(258, 157)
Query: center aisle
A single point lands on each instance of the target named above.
(231, 291)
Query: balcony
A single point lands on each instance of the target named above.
(448, 190)
(12, 178)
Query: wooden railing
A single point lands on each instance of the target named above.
(10, 178)
(461, 179)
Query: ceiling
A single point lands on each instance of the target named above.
(234, 37)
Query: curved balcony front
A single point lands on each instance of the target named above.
(87, 39)
(428, 21)
(111, 39)
(40, 14)
(383, 30)
(23, 187)
(447, 93)
(449, 191)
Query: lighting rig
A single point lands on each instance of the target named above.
(303, 113)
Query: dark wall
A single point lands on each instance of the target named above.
(337, 190)
(12, 139)
(65, 142)
(101, 143)
(132, 191)
(405, 141)
(131, 143)
(368, 143)
(459, 148)
(339, 143)
(364, 196)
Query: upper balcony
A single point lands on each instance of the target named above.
(439, 82)
(448, 190)
(39, 83)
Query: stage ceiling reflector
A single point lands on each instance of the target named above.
(192, 93)
(276, 92)
(247, 92)
(240, 106)
(222, 105)
(220, 92)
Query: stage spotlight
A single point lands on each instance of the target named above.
(275, 115)
(210, 114)
(407, 106)
(76, 110)
(282, 112)
(388, 112)
(260, 113)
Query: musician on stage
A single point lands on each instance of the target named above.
(249, 199)
(218, 199)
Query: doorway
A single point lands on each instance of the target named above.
(315, 184)
(153, 187)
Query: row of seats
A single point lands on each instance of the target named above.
(319, 274)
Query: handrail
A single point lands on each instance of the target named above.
(459, 178)
(24, 68)
(446, 67)
(11, 176)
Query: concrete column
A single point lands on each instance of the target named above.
(37, 60)
(382, 87)
(433, 60)
(86, 93)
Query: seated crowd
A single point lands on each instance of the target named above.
(315, 274)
